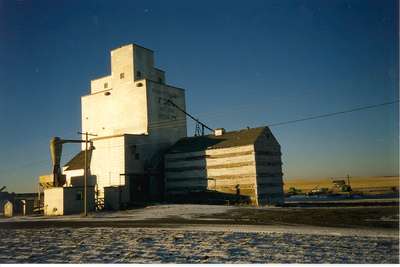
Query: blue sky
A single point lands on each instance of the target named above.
(242, 64)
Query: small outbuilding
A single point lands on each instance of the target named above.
(242, 163)
(67, 200)
(8, 208)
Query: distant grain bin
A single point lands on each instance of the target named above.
(246, 162)
(8, 209)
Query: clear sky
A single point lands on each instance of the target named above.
(242, 63)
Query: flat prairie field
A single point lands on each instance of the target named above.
(384, 183)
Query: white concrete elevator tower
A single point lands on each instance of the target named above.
(133, 122)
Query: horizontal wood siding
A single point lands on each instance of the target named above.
(269, 172)
(217, 169)
(255, 168)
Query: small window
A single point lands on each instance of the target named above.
(107, 93)
(138, 74)
(139, 84)
(122, 75)
(105, 85)
(137, 156)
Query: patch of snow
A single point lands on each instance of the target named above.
(134, 245)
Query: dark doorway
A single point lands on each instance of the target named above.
(138, 188)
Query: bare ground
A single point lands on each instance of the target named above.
(376, 217)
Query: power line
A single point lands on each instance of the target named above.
(198, 123)
(4, 172)
(334, 113)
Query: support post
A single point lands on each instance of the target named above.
(85, 176)
(38, 202)
(348, 185)
(85, 170)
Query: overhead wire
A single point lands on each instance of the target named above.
(182, 122)
(333, 113)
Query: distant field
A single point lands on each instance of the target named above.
(369, 184)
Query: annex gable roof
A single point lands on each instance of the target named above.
(78, 161)
(228, 139)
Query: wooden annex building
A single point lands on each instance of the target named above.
(243, 163)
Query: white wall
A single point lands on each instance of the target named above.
(133, 105)
(166, 122)
(71, 173)
(108, 162)
(54, 201)
(143, 62)
(64, 201)
(98, 84)
(123, 111)
(131, 113)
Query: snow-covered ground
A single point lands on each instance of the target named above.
(205, 214)
(135, 245)
(185, 211)
(181, 242)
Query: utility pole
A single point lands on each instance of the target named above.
(85, 172)
(349, 186)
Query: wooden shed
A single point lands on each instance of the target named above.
(245, 162)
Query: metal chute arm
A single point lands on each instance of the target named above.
(63, 141)
(55, 153)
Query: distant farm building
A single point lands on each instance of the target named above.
(21, 203)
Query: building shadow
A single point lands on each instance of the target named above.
(210, 197)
